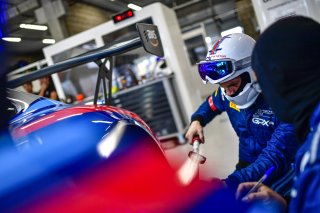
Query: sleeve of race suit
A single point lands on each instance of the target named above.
(279, 152)
(306, 190)
(209, 109)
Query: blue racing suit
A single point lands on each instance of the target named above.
(264, 140)
(306, 191)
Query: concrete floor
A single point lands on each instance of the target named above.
(220, 149)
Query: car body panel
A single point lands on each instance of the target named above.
(57, 143)
(47, 118)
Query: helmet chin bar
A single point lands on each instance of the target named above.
(248, 95)
(246, 98)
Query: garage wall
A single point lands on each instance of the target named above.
(81, 17)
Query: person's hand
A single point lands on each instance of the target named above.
(195, 129)
(263, 193)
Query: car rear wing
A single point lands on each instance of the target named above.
(149, 38)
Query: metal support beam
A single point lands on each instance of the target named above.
(105, 73)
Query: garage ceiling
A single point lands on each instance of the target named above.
(190, 14)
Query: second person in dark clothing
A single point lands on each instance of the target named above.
(47, 88)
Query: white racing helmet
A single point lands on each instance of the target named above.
(229, 58)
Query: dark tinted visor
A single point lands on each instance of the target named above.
(215, 69)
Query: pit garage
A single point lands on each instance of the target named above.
(100, 99)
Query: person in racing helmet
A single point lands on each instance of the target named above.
(265, 141)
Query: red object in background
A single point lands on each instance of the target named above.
(123, 16)
(80, 97)
(129, 13)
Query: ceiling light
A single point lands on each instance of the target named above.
(12, 39)
(33, 27)
(48, 41)
(134, 7)
(208, 40)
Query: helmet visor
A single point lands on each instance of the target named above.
(216, 70)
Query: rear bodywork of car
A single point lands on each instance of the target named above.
(86, 158)
(40, 120)
(59, 144)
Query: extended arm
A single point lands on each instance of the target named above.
(279, 152)
(210, 108)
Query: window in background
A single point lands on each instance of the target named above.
(196, 48)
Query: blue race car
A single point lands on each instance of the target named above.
(89, 158)
(95, 158)
(58, 144)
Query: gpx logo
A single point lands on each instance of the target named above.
(260, 121)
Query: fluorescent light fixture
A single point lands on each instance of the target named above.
(48, 41)
(33, 27)
(12, 39)
(232, 30)
(208, 39)
(134, 7)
